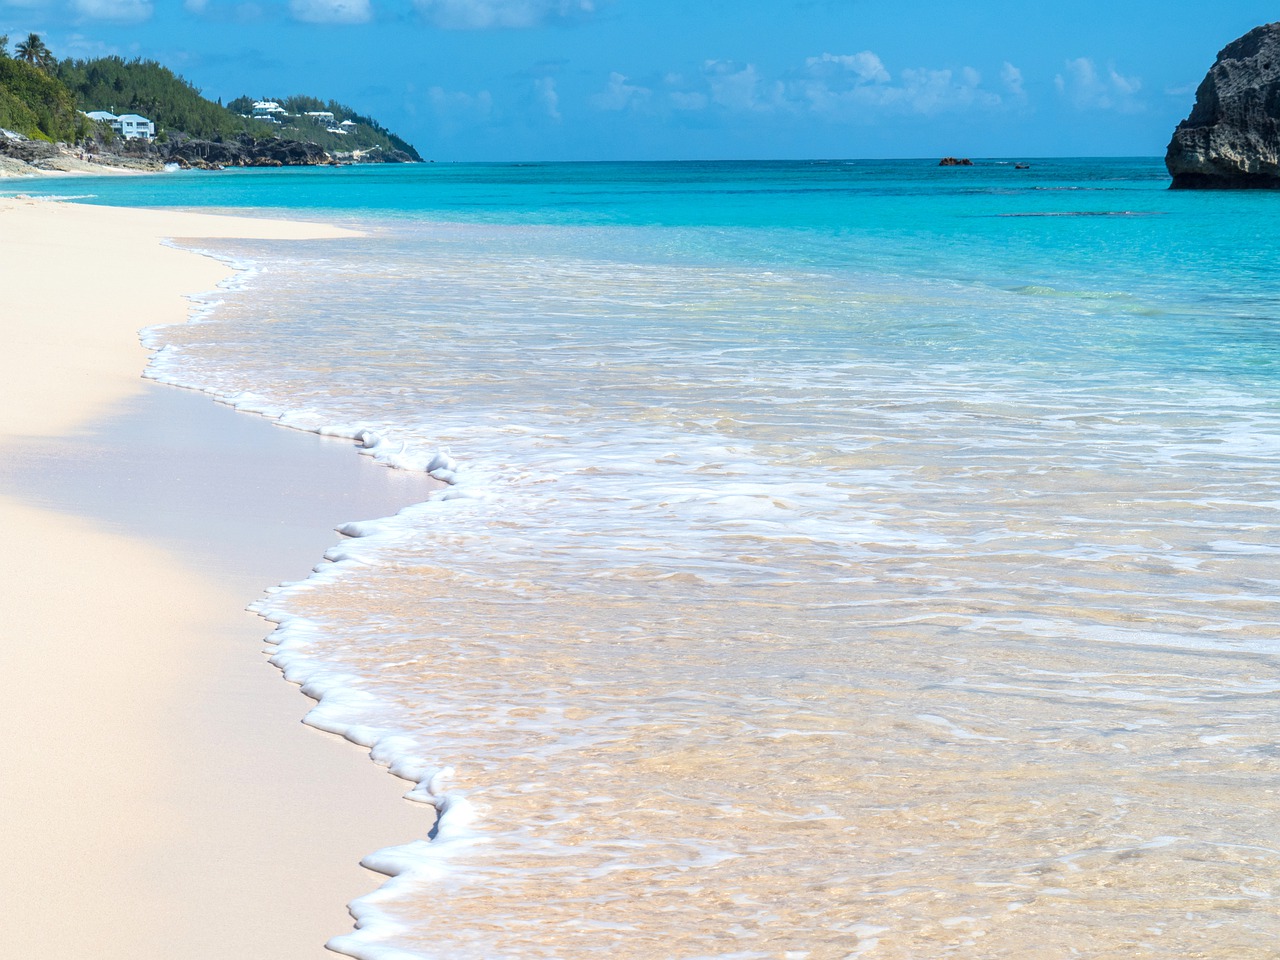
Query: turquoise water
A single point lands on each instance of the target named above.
(839, 559)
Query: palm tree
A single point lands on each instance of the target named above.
(34, 51)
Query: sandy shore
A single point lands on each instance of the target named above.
(160, 797)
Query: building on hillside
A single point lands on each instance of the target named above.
(131, 126)
(320, 116)
(348, 124)
(269, 111)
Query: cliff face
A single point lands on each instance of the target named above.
(1232, 137)
(244, 151)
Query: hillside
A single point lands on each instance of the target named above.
(36, 105)
(154, 91)
(360, 134)
(42, 98)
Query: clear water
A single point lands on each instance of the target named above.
(841, 559)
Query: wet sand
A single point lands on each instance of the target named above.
(161, 796)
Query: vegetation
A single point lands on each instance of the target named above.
(36, 105)
(154, 91)
(367, 134)
(33, 51)
(42, 98)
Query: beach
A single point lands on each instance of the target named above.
(161, 796)
(837, 559)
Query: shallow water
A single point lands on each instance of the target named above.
(832, 567)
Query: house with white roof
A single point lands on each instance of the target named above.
(320, 116)
(269, 111)
(131, 126)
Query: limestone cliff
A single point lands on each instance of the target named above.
(1232, 137)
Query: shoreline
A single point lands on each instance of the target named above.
(66, 161)
(163, 796)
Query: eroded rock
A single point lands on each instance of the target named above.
(1232, 137)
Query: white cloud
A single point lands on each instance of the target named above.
(1011, 77)
(682, 100)
(331, 11)
(619, 94)
(859, 85)
(454, 103)
(741, 88)
(1087, 88)
(484, 14)
(545, 90)
(456, 111)
(866, 67)
(114, 9)
(840, 88)
(934, 91)
(80, 47)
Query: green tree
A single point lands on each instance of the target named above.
(156, 92)
(34, 51)
(4, 46)
(36, 104)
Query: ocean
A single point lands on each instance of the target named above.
(838, 559)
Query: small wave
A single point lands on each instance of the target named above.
(1038, 290)
(56, 197)
(1086, 213)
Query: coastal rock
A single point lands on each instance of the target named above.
(1232, 137)
(955, 162)
(374, 155)
(245, 152)
(28, 151)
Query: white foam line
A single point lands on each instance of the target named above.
(342, 709)
(338, 698)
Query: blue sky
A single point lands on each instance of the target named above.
(691, 79)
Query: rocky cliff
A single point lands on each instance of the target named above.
(244, 151)
(1232, 137)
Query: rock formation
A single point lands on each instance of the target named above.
(28, 151)
(1232, 137)
(955, 162)
(244, 151)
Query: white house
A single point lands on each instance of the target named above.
(131, 126)
(269, 111)
(320, 116)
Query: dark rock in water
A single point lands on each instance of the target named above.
(1232, 137)
(955, 162)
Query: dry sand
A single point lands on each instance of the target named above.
(159, 796)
